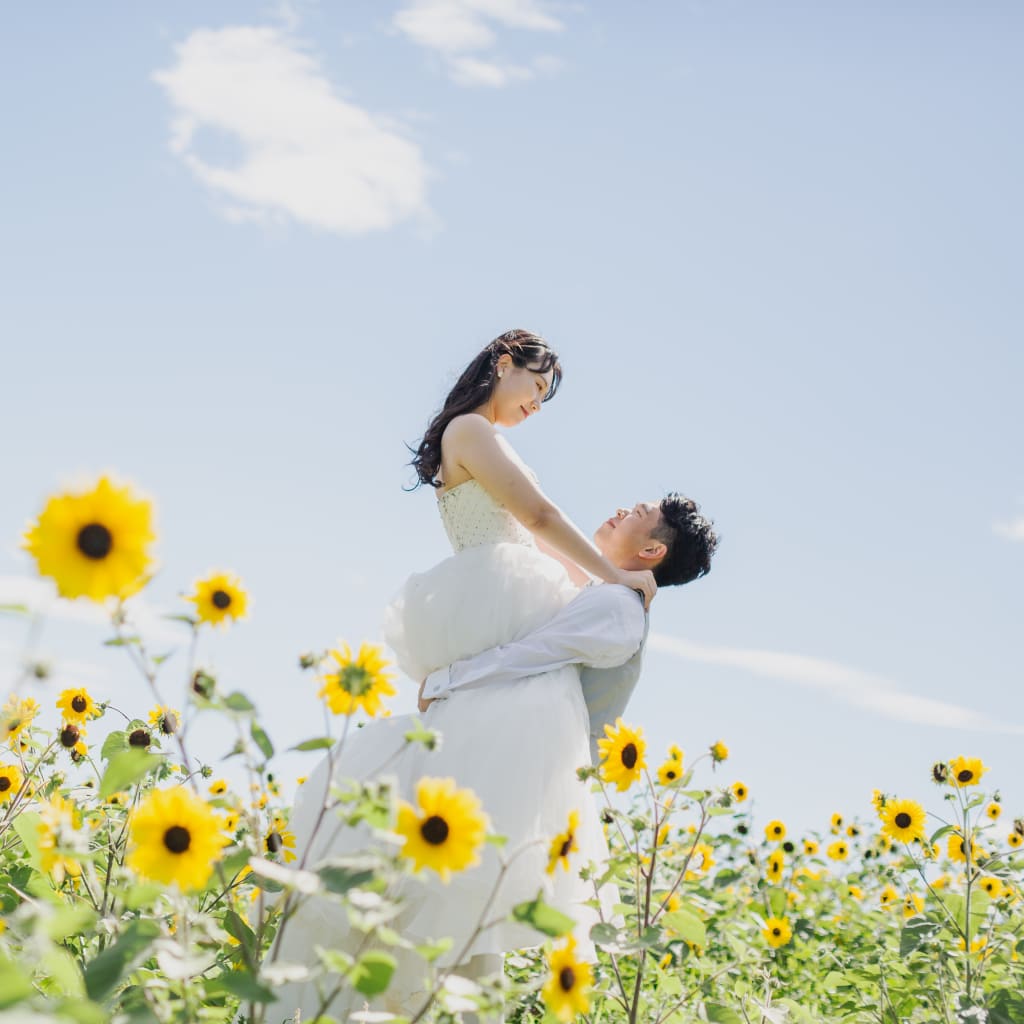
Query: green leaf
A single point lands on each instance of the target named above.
(778, 901)
(14, 609)
(430, 951)
(121, 641)
(604, 934)
(372, 972)
(126, 768)
(238, 702)
(542, 917)
(115, 962)
(939, 833)
(15, 984)
(339, 878)
(718, 1014)
(63, 971)
(320, 743)
(244, 985)
(262, 741)
(70, 920)
(114, 744)
(687, 925)
(916, 932)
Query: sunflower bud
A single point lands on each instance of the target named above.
(69, 735)
(307, 660)
(40, 670)
(940, 772)
(203, 684)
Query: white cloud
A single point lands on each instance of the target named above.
(304, 153)
(459, 30)
(1012, 530)
(861, 689)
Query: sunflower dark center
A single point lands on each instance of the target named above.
(964, 776)
(177, 839)
(139, 738)
(5, 783)
(902, 820)
(566, 846)
(221, 599)
(776, 931)
(79, 704)
(69, 735)
(168, 724)
(567, 978)
(629, 755)
(95, 541)
(434, 830)
(274, 842)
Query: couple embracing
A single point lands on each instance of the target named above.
(527, 641)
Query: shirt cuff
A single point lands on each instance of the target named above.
(437, 683)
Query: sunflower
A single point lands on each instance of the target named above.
(994, 810)
(719, 751)
(10, 781)
(877, 800)
(810, 847)
(218, 787)
(903, 820)
(702, 857)
(218, 598)
(993, 886)
(838, 850)
(563, 844)
(72, 737)
(739, 791)
(77, 706)
(622, 755)
(16, 716)
(777, 931)
(360, 681)
(958, 848)
(837, 822)
(671, 769)
(61, 839)
(1015, 839)
(566, 993)
(888, 896)
(279, 840)
(913, 905)
(94, 543)
(775, 866)
(775, 831)
(855, 892)
(166, 719)
(446, 831)
(966, 771)
(176, 837)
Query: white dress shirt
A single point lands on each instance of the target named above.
(602, 627)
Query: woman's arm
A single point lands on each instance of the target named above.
(476, 446)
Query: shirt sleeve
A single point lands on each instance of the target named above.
(601, 627)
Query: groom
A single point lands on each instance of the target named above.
(603, 628)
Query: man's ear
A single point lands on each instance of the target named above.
(654, 551)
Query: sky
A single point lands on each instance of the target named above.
(245, 250)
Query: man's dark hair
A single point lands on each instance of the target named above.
(690, 538)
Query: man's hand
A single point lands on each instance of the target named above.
(424, 702)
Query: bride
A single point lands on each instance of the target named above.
(516, 745)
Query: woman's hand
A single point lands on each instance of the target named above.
(640, 579)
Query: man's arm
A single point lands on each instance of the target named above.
(602, 626)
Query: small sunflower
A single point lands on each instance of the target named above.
(218, 598)
(888, 896)
(958, 848)
(72, 737)
(903, 820)
(775, 831)
(359, 683)
(218, 787)
(838, 850)
(446, 831)
(671, 769)
(877, 800)
(16, 716)
(739, 791)
(702, 858)
(777, 931)
(175, 837)
(94, 543)
(10, 782)
(566, 993)
(719, 752)
(61, 839)
(622, 755)
(966, 771)
(775, 866)
(855, 892)
(994, 810)
(993, 886)
(77, 706)
(166, 719)
(837, 822)
(563, 844)
(1015, 839)
(810, 847)
(279, 840)
(913, 905)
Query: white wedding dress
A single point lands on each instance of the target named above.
(516, 744)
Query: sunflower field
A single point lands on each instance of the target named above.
(138, 885)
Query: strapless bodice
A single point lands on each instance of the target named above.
(472, 517)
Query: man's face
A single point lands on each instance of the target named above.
(625, 538)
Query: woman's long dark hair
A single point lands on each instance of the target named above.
(474, 388)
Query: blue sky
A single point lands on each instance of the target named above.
(246, 251)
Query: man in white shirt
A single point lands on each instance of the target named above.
(603, 629)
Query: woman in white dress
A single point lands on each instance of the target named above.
(516, 745)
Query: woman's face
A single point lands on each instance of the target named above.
(518, 393)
